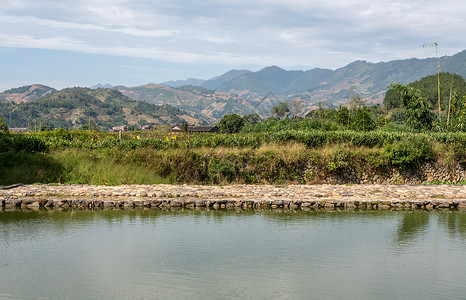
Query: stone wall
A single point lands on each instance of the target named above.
(424, 173)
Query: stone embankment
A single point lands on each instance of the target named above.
(236, 196)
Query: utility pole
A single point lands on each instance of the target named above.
(350, 107)
(449, 100)
(434, 44)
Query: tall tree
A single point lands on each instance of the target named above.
(417, 109)
(230, 123)
(297, 105)
(281, 110)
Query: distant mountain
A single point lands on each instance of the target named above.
(75, 107)
(179, 83)
(370, 80)
(26, 93)
(245, 92)
(204, 104)
(218, 81)
(101, 86)
(271, 79)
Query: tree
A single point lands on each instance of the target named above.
(428, 86)
(357, 101)
(417, 109)
(230, 123)
(90, 125)
(252, 119)
(343, 116)
(362, 120)
(281, 110)
(297, 105)
(3, 127)
(392, 99)
(184, 127)
(458, 119)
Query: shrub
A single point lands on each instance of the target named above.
(408, 154)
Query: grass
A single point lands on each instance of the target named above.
(88, 167)
(28, 168)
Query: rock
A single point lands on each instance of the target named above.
(12, 202)
(108, 203)
(175, 203)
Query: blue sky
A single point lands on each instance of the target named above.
(64, 43)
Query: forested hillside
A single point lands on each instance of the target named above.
(102, 109)
(26, 93)
(450, 84)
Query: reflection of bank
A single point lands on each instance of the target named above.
(416, 223)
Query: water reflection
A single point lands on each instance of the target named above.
(412, 224)
(185, 254)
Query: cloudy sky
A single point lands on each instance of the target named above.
(64, 43)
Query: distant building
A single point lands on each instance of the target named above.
(18, 130)
(118, 128)
(194, 128)
(149, 127)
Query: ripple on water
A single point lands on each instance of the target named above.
(224, 254)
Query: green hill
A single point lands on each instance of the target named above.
(76, 107)
(428, 86)
(26, 93)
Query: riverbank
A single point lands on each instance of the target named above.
(370, 196)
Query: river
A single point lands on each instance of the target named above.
(232, 254)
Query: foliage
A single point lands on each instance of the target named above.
(405, 154)
(3, 127)
(252, 119)
(343, 116)
(417, 110)
(21, 143)
(428, 87)
(457, 114)
(230, 123)
(104, 107)
(27, 168)
(267, 157)
(362, 120)
(281, 110)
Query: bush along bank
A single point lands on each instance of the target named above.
(287, 157)
(398, 163)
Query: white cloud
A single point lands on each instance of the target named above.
(289, 33)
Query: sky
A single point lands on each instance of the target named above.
(65, 43)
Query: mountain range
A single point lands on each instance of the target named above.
(370, 80)
(245, 92)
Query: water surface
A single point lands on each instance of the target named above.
(185, 254)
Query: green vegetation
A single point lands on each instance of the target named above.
(231, 123)
(74, 108)
(281, 110)
(353, 139)
(268, 157)
(3, 127)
